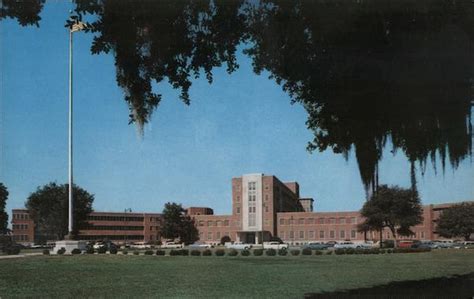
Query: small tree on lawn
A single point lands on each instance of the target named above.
(3, 213)
(395, 208)
(178, 225)
(457, 221)
(225, 239)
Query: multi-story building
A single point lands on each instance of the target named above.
(263, 207)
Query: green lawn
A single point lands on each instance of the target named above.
(282, 277)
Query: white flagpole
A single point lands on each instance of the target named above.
(70, 224)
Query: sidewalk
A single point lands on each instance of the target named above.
(19, 255)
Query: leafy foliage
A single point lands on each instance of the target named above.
(48, 207)
(178, 225)
(457, 221)
(365, 71)
(225, 239)
(3, 213)
(395, 208)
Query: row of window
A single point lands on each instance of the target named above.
(214, 223)
(210, 235)
(322, 220)
(20, 238)
(20, 226)
(112, 237)
(21, 216)
(114, 218)
(113, 227)
(311, 235)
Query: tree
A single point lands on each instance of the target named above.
(178, 225)
(393, 207)
(225, 239)
(457, 221)
(48, 207)
(3, 213)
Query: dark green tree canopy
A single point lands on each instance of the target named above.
(3, 213)
(395, 208)
(365, 71)
(48, 206)
(457, 221)
(178, 225)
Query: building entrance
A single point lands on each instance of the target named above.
(250, 238)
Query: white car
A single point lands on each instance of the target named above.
(238, 245)
(346, 244)
(275, 245)
(172, 245)
(200, 245)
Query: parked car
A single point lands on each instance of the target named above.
(200, 245)
(172, 245)
(425, 245)
(275, 245)
(238, 245)
(444, 243)
(349, 244)
(317, 246)
(405, 243)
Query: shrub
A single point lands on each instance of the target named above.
(185, 252)
(258, 252)
(340, 251)
(220, 252)
(374, 250)
(270, 252)
(350, 251)
(295, 252)
(282, 251)
(245, 252)
(360, 251)
(318, 252)
(329, 252)
(76, 251)
(102, 250)
(12, 250)
(233, 252)
(207, 252)
(160, 252)
(382, 251)
(136, 252)
(389, 250)
(149, 252)
(125, 252)
(90, 250)
(195, 252)
(113, 250)
(46, 252)
(61, 251)
(306, 251)
(175, 252)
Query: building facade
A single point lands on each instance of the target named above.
(263, 208)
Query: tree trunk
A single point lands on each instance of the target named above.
(381, 236)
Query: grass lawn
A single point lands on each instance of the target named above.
(257, 277)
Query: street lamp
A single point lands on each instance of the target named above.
(74, 24)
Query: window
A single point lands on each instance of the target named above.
(226, 222)
(292, 234)
(252, 197)
(321, 234)
(321, 220)
(332, 220)
(266, 209)
(331, 234)
(218, 235)
(342, 220)
(353, 220)
(301, 221)
(209, 235)
(252, 186)
(291, 221)
(238, 198)
(218, 223)
(266, 197)
(311, 234)
(422, 235)
(238, 210)
(266, 221)
(310, 221)
(342, 234)
(209, 223)
(301, 234)
(282, 221)
(353, 234)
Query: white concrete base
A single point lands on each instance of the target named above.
(69, 245)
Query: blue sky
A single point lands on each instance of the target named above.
(242, 123)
